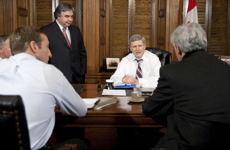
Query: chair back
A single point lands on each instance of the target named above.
(13, 124)
(164, 56)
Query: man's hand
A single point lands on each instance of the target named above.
(130, 80)
(227, 62)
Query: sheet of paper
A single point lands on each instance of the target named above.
(114, 92)
(118, 84)
(90, 102)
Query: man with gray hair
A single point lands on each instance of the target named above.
(140, 67)
(5, 51)
(192, 96)
(66, 45)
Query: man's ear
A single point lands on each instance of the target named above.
(145, 46)
(33, 46)
(178, 51)
(130, 48)
(1, 51)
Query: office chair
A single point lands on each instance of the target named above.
(164, 56)
(13, 124)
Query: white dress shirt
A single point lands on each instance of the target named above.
(42, 87)
(150, 67)
(0, 58)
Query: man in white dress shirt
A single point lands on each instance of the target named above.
(41, 85)
(126, 72)
(5, 51)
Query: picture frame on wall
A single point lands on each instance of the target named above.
(112, 63)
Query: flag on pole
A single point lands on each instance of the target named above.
(192, 12)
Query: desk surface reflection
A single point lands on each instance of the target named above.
(121, 114)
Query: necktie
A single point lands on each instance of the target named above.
(65, 35)
(139, 71)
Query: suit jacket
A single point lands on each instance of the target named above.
(193, 100)
(70, 60)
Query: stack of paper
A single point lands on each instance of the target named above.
(90, 102)
(114, 92)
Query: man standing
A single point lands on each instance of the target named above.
(41, 86)
(192, 97)
(141, 67)
(66, 45)
(5, 51)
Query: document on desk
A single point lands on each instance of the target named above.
(114, 92)
(90, 102)
(104, 102)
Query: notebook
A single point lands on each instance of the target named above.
(104, 102)
(78, 88)
(125, 86)
(90, 102)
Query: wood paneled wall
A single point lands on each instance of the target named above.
(1, 18)
(14, 14)
(43, 13)
(218, 29)
(160, 18)
(91, 15)
(119, 29)
(173, 19)
(143, 20)
(102, 34)
(131, 17)
(106, 25)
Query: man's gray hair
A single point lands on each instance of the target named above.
(136, 37)
(62, 8)
(3, 38)
(189, 37)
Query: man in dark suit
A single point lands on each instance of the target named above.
(192, 97)
(66, 45)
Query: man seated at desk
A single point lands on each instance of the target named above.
(192, 97)
(41, 86)
(140, 67)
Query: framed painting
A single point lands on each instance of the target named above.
(112, 63)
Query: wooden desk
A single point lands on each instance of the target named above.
(121, 114)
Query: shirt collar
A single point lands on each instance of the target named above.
(143, 57)
(60, 26)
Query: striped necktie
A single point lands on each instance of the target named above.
(65, 35)
(139, 71)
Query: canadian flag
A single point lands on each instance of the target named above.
(191, 12)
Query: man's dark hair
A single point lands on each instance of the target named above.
(62, 8)
(22, 36)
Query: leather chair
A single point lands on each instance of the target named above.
(164, 56)
(13, 124)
